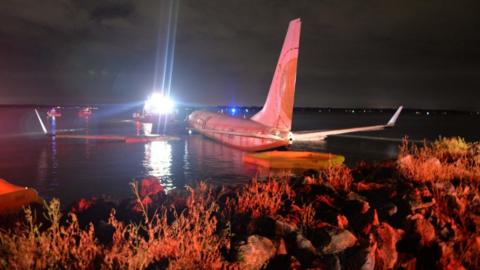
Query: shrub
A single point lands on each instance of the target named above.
(443, 160)
(55, 247)
(262, 198)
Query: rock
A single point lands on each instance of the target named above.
(386, 253)
(303, 244)
(264, 226)
(361, 257)
(388, 210)
(423, 229)
(331, 240)
(330, 262)
(300, 247)
(255, 253)
(407, 261)
(281, 247)
(369, 263)
(283, 228)
(417, 206)
(444, 187)
(356, 204)
(342, 221)
(368, 186)
(352, 196)
(339, 242)
(286, 262)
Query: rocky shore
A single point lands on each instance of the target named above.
(421, 211)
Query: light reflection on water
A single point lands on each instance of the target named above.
(158, 162)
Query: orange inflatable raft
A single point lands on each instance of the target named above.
(293, 159)
(13, 198)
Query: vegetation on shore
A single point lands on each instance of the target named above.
(421, 211)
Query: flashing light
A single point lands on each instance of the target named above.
(233, 110)
(159, 104)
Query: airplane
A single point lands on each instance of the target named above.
(271, 127)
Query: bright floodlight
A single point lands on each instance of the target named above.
(158, 104)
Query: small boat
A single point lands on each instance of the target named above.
(293, 159)
(54, 112)
(85, 112)
(13, 198)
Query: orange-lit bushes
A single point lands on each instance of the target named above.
(340, 177)
(444, 160)
(450, 168)
(262, 198)
(56, 247)
(189, 240)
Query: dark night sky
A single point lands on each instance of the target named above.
(376, 53)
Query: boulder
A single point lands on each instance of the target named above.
(283, 228)
(386, 253)
(362, 256)
(327, 262)
(423, 229)
(299, 246)
(286, 262)
(331, 240)
(255, 252)
(388, 210)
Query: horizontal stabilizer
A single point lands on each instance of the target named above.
(308, 136)
(394, 118)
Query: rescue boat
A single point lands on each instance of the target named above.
(293, 159)
(13, 197)
(54, 112)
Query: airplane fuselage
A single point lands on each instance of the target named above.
(244, 134)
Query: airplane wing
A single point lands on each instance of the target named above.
(309, 136)
(41, 122)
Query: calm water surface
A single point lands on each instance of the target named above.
(71, 170)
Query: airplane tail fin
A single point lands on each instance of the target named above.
(278, 109)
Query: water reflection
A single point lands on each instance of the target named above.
(47, 167)
(158, 162)
(216, 162)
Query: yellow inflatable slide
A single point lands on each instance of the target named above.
(293, 159)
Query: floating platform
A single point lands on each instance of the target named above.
(13, 198)
(293, 159)
(117, 138)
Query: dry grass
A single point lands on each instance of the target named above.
(190, 241)
(56, 247)
(340, 177)
(262, 198)
(444, 160)
(455, 211)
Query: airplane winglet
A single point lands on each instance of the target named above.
(41, 122)
(394, 118)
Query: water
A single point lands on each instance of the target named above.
(71, 169)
